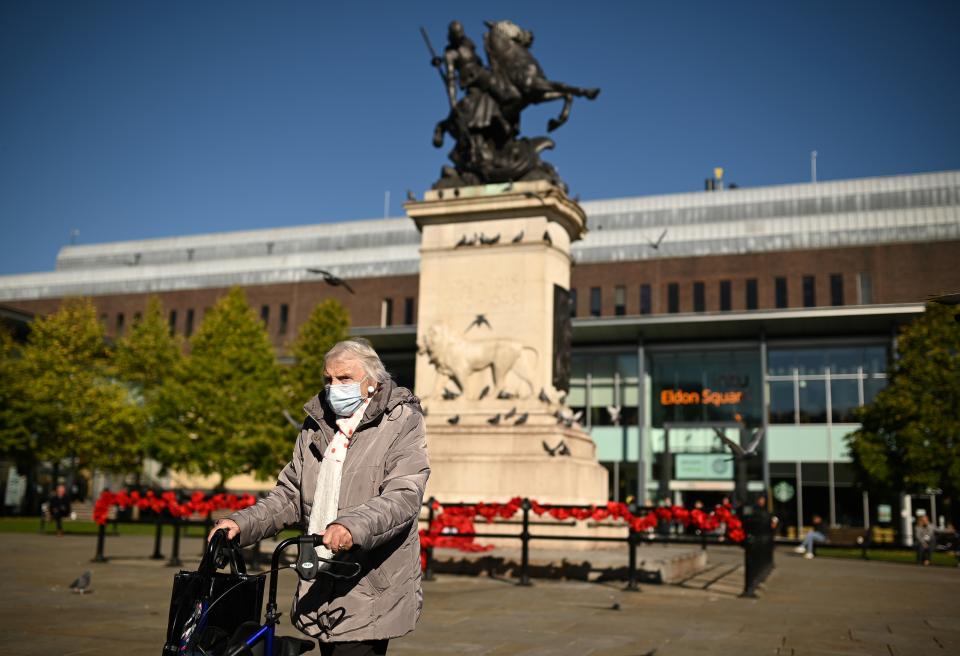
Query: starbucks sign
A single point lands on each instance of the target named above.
(783, 491)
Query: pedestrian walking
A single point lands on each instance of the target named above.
(925, 539)
(357, 477)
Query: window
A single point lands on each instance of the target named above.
(673, 297)
(408, 311)
(284, 318)
(699, 297)
(724, 295)
(595, 302)
(573, 302)
(823, 384)
(173, 321)
(265, 314)
(137, 316)
(751, 293)
(836, 289)
(120, 324)
(188, 329)
(645, 305)
(780, 289)
(864, 289)
(386, 312)
(619, 300)
(809, 291)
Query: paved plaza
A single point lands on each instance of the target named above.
(823, 606)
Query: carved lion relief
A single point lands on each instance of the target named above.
(464, 362)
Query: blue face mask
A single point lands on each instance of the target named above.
(344, 399)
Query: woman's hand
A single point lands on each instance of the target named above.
(337, 538)
(233, 529)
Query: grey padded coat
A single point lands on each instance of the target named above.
(384, 475)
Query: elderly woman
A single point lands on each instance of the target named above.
(357, 476)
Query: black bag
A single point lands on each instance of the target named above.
(208, 606)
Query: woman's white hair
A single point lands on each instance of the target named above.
(362, 351)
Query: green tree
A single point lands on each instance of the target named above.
(910, 434)
(144, 359)
(14, 434)
(328, 324)
(68, 403)
(222, 414)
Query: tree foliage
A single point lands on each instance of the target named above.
(67, 404)
(910, 434)
(223, 413)
(328, 324)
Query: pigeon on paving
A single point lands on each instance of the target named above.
(82, 584)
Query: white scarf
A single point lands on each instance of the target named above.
(326, 498)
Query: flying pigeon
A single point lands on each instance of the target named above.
(655, 245)
(738, 451)
(82, 584)
(494, 420)
(560, 450)
(522, 419)
(614, 412)
(483, 393)
(454, 420)
(332, 280)
(518, 238)
(479, 322)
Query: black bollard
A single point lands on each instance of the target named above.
(175, 556)
(101, 538)
(632, 561)
(428, 569)
(525, 545)
(157, 537)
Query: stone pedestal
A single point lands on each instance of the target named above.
(490, 259)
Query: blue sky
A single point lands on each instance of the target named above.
(130, 120)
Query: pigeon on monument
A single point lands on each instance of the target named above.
(518, 238)
(448, 395)
(454, 420)
(522, 419)
(560, 450)
(546, 238)
(332, 280)
(463, 242)
(411, 196)
(494, 420)
(504, 395)
(543, 396)
(82, 584)
(512, 411)
(483, 393)
(490, 241)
